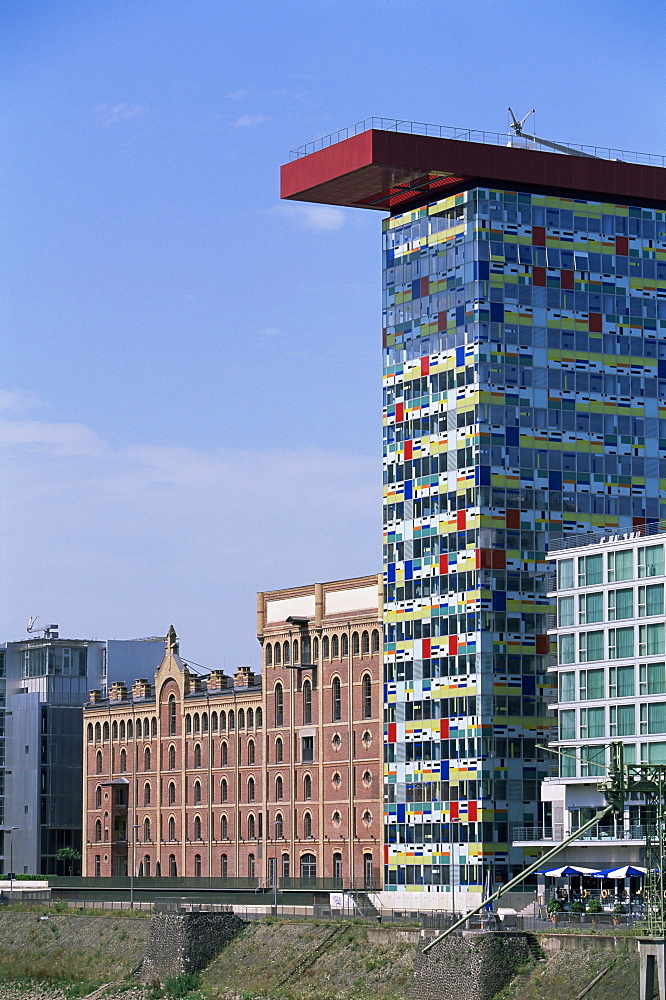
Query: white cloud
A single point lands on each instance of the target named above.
(311, 216)
(237, 95)
(249, 121)
(123, 541)
(65, 439)
(16, 402)
(271, 331)
(111, 114)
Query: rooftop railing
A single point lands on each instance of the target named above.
(595, 537)
(468, 135)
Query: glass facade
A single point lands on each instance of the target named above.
(524, 392)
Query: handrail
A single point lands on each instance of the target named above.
(467, 135)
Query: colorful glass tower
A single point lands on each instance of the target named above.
(525, 397)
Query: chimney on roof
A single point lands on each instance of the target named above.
(217, 680)
(244, 677)
(118, 691)
(141, 688)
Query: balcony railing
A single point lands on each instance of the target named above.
(594, 537)
(554, 834)
(466, 135)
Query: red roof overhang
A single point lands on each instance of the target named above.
(390, 171)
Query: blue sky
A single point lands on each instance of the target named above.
(189, 369)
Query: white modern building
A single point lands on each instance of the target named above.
(609, 655)
(44, 683)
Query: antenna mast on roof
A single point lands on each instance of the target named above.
(517, 129)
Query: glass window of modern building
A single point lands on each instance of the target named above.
(524, 334)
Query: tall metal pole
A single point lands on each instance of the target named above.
(275, 870)
(135, 827)
(10, 831)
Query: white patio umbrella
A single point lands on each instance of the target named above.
(568, 870)
(624, 872)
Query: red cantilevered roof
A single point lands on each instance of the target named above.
(393, 170)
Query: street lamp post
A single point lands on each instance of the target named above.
(10, 830)
(135, 827)
(275, 868)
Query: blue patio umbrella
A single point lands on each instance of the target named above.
(623, 872)
(567, 870)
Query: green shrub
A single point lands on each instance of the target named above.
(594, 906)
(554, 906)
(180, 986)
(578, 906)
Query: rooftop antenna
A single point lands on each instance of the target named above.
(517, 129)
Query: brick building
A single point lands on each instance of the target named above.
(211, 776)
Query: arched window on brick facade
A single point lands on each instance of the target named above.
(336, 700)
(279, 705)
(307, 703)
(367, 696)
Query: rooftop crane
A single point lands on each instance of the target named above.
(517, 128)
